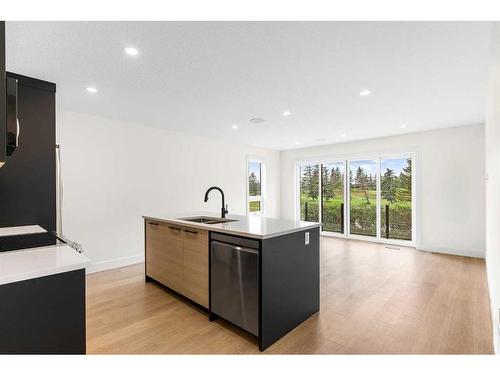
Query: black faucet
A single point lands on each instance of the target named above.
(224, 210)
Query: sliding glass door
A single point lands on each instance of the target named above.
(332, 196)
(309, 192)
(396, 199)
(369, 197)
(363, 197)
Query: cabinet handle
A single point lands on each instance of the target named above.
(174, 228)
(190, 231)
(151, 223)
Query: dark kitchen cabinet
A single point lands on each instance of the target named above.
(45, 315)
(28, 178)
(3, 102)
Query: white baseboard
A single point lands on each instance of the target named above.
(115, 263)
(465, 253)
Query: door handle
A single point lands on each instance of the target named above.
(245, 250)
(151, 223)
(190, 231)
(174, 228)
(17, 132)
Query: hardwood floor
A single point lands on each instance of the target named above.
(373, 300)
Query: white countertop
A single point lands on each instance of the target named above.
(37, 262)
(25, 229)
(253, 226)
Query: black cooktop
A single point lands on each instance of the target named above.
(27, 241)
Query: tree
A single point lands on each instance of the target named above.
(336, 181)
(253, 185)
(389, 185)
(403, 192)
(326, 183)
(314, 185)
(309, 183)
(361, 182)
(306, 179)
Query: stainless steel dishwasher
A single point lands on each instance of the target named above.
(234, 284)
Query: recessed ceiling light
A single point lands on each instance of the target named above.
(343, 135)
(235, 126)
(403, 126)
(257, 120)
(364, 92)
(297, 142)
(286, 113)
(131, 51)
(91, 90)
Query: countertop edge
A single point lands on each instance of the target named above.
(42, 272)
(211, 228)
(21, 230)
(37, 274)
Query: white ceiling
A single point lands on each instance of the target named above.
(203, 77)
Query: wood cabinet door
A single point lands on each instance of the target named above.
(164, 254)
(196, 265)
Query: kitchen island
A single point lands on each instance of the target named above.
(259, 273)
(42, 289)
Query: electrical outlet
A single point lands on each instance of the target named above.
(306, 238)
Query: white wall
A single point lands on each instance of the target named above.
(493, 186)
(450, 189)
(114, 172)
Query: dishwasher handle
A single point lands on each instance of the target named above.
(236, 247)
(236, 241)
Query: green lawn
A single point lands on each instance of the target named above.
(254, 206)
(362, 215)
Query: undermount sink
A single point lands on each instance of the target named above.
(206, 220)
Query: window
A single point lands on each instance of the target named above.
(332, 197)
(309, 192)
(255, 172)
(368, 197)
(363, 197)
(396, 199)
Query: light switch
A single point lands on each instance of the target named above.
(306, 238)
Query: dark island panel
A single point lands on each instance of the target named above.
(45, 315)
(290, 288)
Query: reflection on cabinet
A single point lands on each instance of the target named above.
(177, 257)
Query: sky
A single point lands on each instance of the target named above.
(369, 166)
(396, 165)
(255, 168)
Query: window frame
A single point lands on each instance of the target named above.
(414, 154)
(256, 198)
